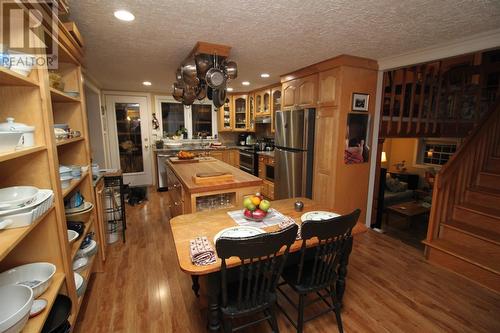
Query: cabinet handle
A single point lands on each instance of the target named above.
(176, 203)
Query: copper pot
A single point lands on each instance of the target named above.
(177, 90)
(231, 70)
(189, 95)
(188, 72)
(203, 64)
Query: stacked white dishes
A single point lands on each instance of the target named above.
(79, 283)
(9, 141)
(37, 276)
(87, 251)
(22, 205)
(27, 132)
(15, 306)
(80, 213)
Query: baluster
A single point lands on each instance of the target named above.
(438, 100)
(391, 104)
(412, 100)
(431, 95)
(422, 98)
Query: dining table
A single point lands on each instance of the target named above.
(209, 223)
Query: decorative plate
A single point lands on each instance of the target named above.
(72, 235)
(80, 263)
(317, 215)
(238, 232)
(78, 280)
(80, 209)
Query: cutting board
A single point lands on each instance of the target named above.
(177, 160)
(212, 177)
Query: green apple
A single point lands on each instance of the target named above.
(265, 205)
(247, 202)
(251, 207)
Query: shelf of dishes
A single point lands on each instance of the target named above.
(69, 184)
(81, 241)
(82, 274)
(22, 208)
(28, 291)
(64, 96)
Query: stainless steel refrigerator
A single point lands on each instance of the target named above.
(293, 153)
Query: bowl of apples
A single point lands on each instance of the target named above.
(256, 207)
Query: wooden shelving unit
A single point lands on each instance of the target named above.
(32, 101)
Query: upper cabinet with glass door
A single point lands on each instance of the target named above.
(225, 116)
(275, 103)
(240, 113)
(263, 103)
(251, 112)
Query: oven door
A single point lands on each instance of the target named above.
(270, 172)
(247, 161)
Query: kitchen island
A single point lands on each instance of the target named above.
(189, 196)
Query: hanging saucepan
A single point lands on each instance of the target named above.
(231, 70)
(177, 91)
(219, 97)
(203, 64)
(201, 91)
(188, 72)
(215, 78)
(189, 95)
(178, 74)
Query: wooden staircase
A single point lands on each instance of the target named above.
(464, 226)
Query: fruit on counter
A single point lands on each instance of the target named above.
(248, 213)
(247, 202)
(185, 155)
(265, 205)
(259, 214)
(256, 200)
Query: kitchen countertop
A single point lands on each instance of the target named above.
(196, 147)
(186, 171)
(266, 153)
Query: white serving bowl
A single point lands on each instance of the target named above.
(38, 274)
(89, 251)
(9, 141)
(72, 236)
(17, 196)
(15, 306)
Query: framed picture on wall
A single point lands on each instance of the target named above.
(357, 149)
(360, 102)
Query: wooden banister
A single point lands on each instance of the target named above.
(461, 170)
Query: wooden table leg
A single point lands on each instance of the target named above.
(340, 287)
(213, 281)
(196, 285)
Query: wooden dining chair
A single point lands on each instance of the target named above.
(250, 288)
(319, 266)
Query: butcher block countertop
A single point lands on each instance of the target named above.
(186, 171)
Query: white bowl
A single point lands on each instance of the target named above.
(15, 306)
(89, 251)
(80, 263)
(17, 196)
(174, 144)
(37, 275)
(66, 181)
(9, 141)
(72, 236)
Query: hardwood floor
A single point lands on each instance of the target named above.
(390, 288)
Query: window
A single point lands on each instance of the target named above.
(436, 152)
(172, 117)
(201, 120)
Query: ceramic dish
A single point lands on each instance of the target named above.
(64, 171)
(79, 227)
(15, 306)
(9, 141)
(78, 280)
(317, 215)
(269, 214)
(17, 196)
(37, 276)
(80, 263)
(5, 223)
(40, 198)
(238, 232)
(88, 251)
(80, 209)
(38, 306)
(66, 182)
(72, 236)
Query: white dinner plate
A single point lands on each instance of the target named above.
(72, 236)
(80, 209)
(78, 280)
(80, 263)
(238, 232)
(317, 215)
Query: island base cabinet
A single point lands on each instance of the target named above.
(207, 201)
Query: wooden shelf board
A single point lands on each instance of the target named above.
(35, 324)
(67, 141)
(74, 184)
(10, 78)
(76, 245)
(11, 237)
(20, 152)
(60, 97)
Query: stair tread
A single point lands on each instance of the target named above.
(485, 210)
(487, 258)
(487, 190)
(488, 235)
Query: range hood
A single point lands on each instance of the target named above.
(263, 120)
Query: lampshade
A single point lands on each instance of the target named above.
(383, 157)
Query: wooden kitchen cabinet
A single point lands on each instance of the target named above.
(217, 154)
(327, 88)
(251, 113)
(302, 92)
(275, 104)
(263, 103)
(240, 113)
(225, 116)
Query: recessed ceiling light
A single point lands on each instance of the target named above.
(229, 89)
(124, 15)
(264, 75)
(245, 83)
(146, 83)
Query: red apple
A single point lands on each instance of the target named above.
(247, 213)
(259, 214)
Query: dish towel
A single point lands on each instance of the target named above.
(201, 252)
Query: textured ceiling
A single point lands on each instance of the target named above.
(276, 36)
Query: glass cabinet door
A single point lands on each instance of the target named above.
(266, 103)
(276, 105)
(240, 113)
(251, 113)
(226, 116)
(258, 103)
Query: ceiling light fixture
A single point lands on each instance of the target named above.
(147, 83)
(229, 89)
(245, 83)
(124, 15)
(264, 75)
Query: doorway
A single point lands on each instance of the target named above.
(128, 117)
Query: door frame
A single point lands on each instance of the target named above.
(145, 126)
